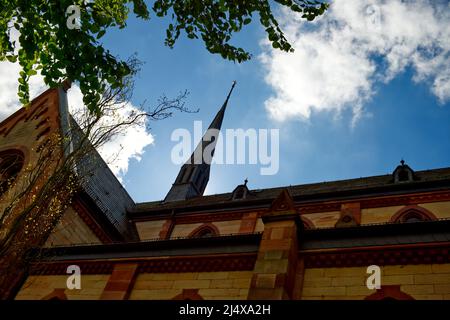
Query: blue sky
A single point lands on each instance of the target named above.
(367, 85)
(402, 118)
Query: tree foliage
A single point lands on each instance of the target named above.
(47, 45)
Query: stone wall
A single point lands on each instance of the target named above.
(146, 286)
(71, 230)
(39, 287)
(421, 282)
(208, 285)
(152, 229)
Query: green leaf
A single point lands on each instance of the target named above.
(11, 58)
(46, 44)
(101, 34)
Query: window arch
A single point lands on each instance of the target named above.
(307, 223)
(56, 294)
(204, 231)
(411, 214)
(11, 163)
(188, 294)
(392, 292)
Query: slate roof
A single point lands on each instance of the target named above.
(106, 192)
(375, 185)
(109, 196)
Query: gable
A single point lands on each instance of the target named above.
(71, 229)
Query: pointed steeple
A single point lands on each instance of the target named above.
(194, 174)
(217, 121)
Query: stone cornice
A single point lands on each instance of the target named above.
(380, 255)
(303, 207)
(209, 263)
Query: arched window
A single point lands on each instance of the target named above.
(411, 214)
(11, 163)
(204, 231)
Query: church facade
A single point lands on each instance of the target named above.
(311, 241)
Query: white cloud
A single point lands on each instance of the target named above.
(336, 60)
(117, 153)
(127, 145)
(9, 75)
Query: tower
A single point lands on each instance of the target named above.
(194, 174)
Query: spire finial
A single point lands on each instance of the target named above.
(402, 162)
(231, 90)
(245, 181)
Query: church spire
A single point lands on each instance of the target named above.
(194, 174)
(217, 122)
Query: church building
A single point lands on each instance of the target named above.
(307, 241)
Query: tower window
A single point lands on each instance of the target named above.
(197, 179)
(11, 163)
(204, 182)
(188, 174)
(181, 176)
(185, 174)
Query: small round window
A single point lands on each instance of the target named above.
(11, 162)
